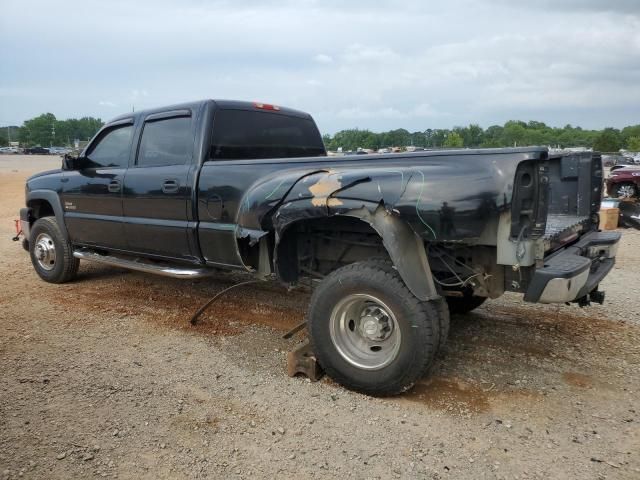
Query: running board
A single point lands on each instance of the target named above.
(142, 265)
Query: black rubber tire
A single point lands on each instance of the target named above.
(418, 322)
(444, 319)
(66, 265)
(440, 304)
(462, 305)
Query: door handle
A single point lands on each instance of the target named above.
(114, 186)
(170, 186)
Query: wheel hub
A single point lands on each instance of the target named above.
(374, 324)
(626, 191)
(45, 251)
(364, 331)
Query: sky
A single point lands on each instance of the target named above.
(369, 64)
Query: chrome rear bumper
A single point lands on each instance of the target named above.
(575, 271)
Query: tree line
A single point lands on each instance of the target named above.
(512, 133)
(46, 130)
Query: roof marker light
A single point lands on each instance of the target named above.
(266, 106)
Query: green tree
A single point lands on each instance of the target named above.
(46, 130)
(514, 133)
(493, 137)
(631, 131)
(633, 144)
(454, 140)
(326, 139)
(609, 140)
(8, 134)
(473, 135)
(438, 137)
(39, 130)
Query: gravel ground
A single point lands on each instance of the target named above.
(103, 377)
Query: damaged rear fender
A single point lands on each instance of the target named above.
(405, 248)
(294, 196)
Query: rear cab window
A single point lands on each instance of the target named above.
(248, 134)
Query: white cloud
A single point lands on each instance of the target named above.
(423, 110)
(384, 64)
(323, 58)
(137, 94)
(358, 53)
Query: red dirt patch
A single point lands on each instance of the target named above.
(450, 394)
(171, 303)
(577, 379)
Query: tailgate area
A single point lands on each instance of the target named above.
(557, 225)
(563, 229)
(575, 188)
(573, 272)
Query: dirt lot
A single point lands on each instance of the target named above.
(103, 377)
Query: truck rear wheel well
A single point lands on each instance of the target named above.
(314, 248)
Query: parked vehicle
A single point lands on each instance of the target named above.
(8, 150)
(36, 151)
(618, 167)
(389, 246)
(624, 182)
(59, 150)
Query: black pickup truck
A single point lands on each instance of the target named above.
(391, 243)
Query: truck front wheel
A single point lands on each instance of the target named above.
(51, 254)
(369, 332)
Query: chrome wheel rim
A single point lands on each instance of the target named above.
(365, 331)
(626, 191)
(44, 251)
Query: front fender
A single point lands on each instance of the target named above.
(53, 199)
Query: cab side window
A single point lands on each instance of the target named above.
(112, 149)
(166, 142)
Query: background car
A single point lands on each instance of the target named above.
(8, 150)
(624, 182)
(59, 150)
(36, 151)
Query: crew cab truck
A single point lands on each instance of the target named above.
(391, 243)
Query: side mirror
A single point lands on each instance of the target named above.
(71, 162)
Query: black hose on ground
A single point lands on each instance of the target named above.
(194, 318)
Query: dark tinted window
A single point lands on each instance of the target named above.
(245, 134)
(166, 142)
(112, 149)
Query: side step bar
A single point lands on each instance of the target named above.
(143, 265)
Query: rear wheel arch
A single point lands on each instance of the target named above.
(389, 235)
(291, 241)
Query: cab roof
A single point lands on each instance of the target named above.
(216, 104)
